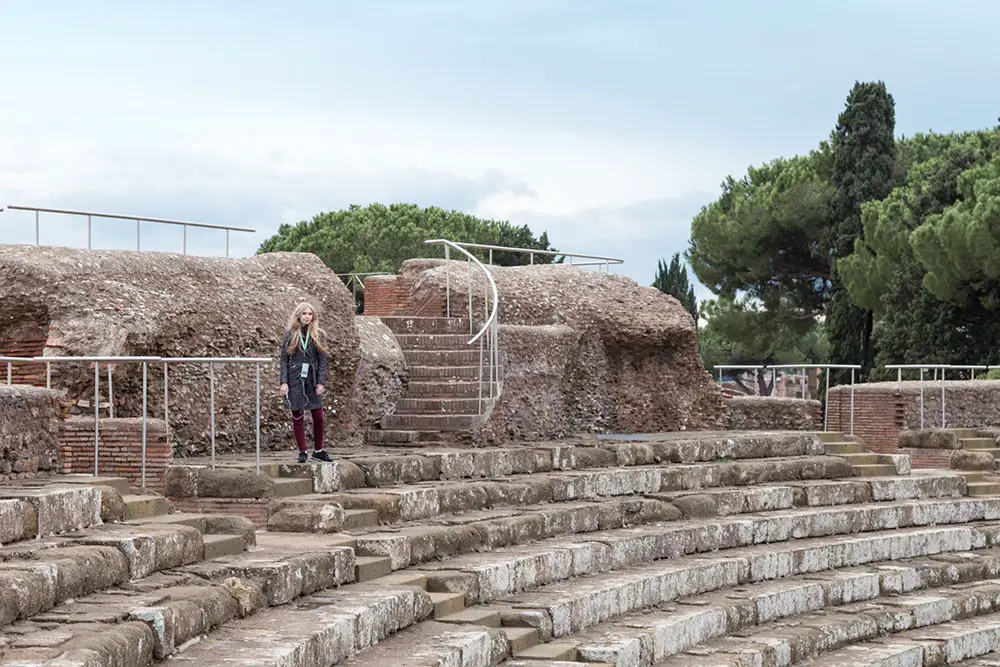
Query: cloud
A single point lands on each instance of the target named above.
(641, 233)
(184, 186)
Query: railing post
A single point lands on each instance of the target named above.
(36, 229)
(491, 256)
(10, 373)
(922, 398)
(257, 368)
(469, 262)
(447, 281)
(185, 246)
(944, 419)
(480, 378)
(89, 233)
(97, 412)
(852, 401)
(227, 243)
(826, 403)
(111, 394)
(138, 246)
(145, 367)
(211, 405)
(166, 400)
(48, 375)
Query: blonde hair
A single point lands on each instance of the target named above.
(295, 327)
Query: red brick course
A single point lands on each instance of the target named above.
(26, 373)
(878, 418)
(251, 508)
(119, 449)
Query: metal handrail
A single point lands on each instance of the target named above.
(490, 325)
(899, 368)
(211, 361)
(603, 261)
(109, 360)
(774, 374)
(137, 218)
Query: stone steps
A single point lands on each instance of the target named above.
(424, 500)
(39, 574)
(940, 644)
(440, 405)
(454, 341)
(417, 542)
(404, 324)
(649, 637)
(145, 506)
(449, 358)
(822, 633)
(27, 512)
(451, 422)
(978, 443)
(582, 590)
(167, 610)
(504, 572)
(454, 388)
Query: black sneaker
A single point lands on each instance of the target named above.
(321, 455)
(303, 457)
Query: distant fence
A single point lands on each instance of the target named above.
(137, 218)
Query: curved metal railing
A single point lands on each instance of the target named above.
(488, 335)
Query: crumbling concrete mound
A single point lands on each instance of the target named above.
(583, 351)
(381, 376)
(118, 303)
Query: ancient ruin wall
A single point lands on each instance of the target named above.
(119, 303)
(884, 409)
(30, 419)
(583, 351)
(766, 413)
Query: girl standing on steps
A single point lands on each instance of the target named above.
(303, 375)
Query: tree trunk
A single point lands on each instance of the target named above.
(762, 383)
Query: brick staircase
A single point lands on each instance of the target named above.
(442, 400)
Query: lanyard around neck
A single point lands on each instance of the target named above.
(303, 342)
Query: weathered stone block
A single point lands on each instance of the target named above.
(186, 481)
(930, 438)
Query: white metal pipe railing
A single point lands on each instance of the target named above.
(145, 361)
(48, 361)
(944, 368)
(487, 336)
(211, 362)
(137, 218)
(774, 374)
(531, 252)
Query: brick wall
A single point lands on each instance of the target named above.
(33, 374)
(384, 294)
(927, 458)
(878, 417)
(252, 508)
(119, 449)
(392, 295)
(884, 409)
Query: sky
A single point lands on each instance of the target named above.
(606, 123)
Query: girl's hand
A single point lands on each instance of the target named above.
(284, 389)
(320, 390)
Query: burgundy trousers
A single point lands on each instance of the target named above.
(299, 427)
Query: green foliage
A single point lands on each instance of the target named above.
(766, 235)
(864, 168)
(673, 280)
(960, 247)
(742, 332)
(379, 238)
(751, 334)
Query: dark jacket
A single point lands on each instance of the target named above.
(302, 390)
